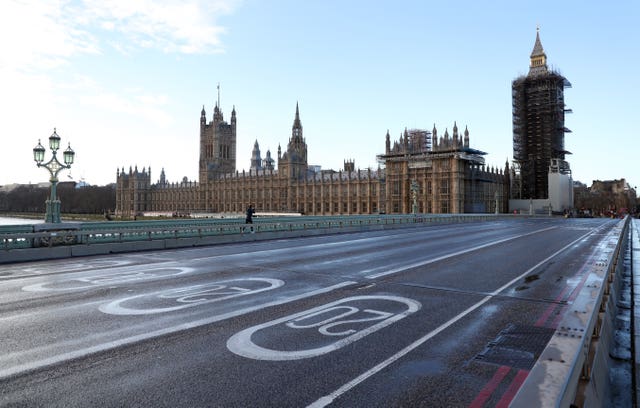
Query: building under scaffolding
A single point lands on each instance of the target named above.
(425, 173)
(538, 128)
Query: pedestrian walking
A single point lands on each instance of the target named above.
(250, 212)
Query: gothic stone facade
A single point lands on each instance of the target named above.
(443, 175)
(450, 177)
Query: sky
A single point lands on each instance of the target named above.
(124, 82)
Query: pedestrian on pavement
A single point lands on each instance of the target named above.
(250, 212)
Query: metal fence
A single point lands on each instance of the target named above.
(87, 233)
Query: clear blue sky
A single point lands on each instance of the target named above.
(124, 81)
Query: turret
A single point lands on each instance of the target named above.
(434, 137)
(466, 137)
(233, 116)
(406, 140)
(455, 134)
(387, 143)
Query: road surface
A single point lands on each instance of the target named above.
(447, 315)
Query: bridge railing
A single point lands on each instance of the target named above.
(50, 235)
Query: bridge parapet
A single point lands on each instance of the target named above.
(27, 243)
(573, 369)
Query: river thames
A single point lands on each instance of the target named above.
(18, 221)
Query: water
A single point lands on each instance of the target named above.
(19, 221)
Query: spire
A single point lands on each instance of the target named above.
(538, 63)
(296, 122)
(537, 47)
(296, 130)
(218, 104)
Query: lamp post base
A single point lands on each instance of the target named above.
(53, 211)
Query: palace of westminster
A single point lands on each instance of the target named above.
(423, 171)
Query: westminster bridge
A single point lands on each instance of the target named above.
(437, 311)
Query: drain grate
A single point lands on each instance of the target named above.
(516, 346)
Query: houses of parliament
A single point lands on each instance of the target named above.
(420, 171)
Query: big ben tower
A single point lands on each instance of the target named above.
(538, 127)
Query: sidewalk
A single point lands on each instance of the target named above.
(635, 324)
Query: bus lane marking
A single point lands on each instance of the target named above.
(348, 320)
(24, 367)
(191, 296)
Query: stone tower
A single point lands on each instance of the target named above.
(293, 163)
(217, 144)
(538, 126)
(256, 159)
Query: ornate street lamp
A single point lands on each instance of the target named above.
(54, 166)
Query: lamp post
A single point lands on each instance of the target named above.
(54, 166)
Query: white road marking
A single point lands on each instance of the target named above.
(38, 364)
(241, 343)
(115, 278)
(440, 258)
(206, 293)
(328, 399)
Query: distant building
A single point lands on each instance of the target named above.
(540, 171)
(450, 178)
(443, 175)
(606, 198)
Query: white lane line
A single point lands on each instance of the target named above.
(38, 364)
(440, 258)
(328, 399)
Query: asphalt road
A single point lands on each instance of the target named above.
(439, 316)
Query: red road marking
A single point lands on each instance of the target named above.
(513, 388)
(559, 317)
(491, 386)
(572, 296)
(551, 308)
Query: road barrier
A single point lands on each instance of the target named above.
(573, 370)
